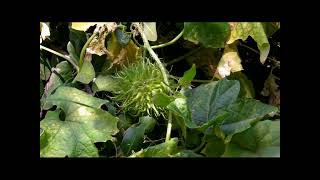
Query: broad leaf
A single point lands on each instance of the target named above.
(84, 124)
(165, 149)
(261, 140)
(150, 30)
(230, 62)
(270, 27)
(242, 30)
(86, 73)
(83, 26)
(188, 76)
(205, 100)
(209, 34)
(133, 136)
(61, 74)
(240, 116)
(104, 83)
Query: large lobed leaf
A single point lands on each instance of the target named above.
(209, 34)
(262, 140)
(84, 124)
(240, 115)
(205, 100)
(201, 104)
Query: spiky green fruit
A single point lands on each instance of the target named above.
(137, 85)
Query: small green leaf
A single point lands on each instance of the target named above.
(104, 83)
(161, 99)
(242, 30)
(241, 114)
(78, 39)
(188, 76)
(261, 140)
(209, 34)
(73, 54)
(133, 136)
(166, 149)
(83, 125)
(150, 30)
(86, 73)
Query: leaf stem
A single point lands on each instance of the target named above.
(170, 42)
(153, 54)
(169, 127)
(60, 55)
(203, 142)
(84, 48)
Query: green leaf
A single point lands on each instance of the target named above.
(166, 149)
(104, 83)
(62, 73)
(205, 100)
(84, 124)
(161, 99)
(72, 53)
(229, 62)
(133, 136)
(188, 76)
(86, 73)
(186, 153)
(242, 30)
(261, 140)
(246, 86)
(193, 139)
(240, 116)
(209, 34)
(150, 30)
(78, 39)
(215, 147)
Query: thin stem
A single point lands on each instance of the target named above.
(153, 54)
(84, 48)
(182, 57)
(169, 127)
(60, 55)
(170, 42)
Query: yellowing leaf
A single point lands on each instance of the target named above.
(83, 26)
(230, 62)
(242, 30)
(149, 29)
